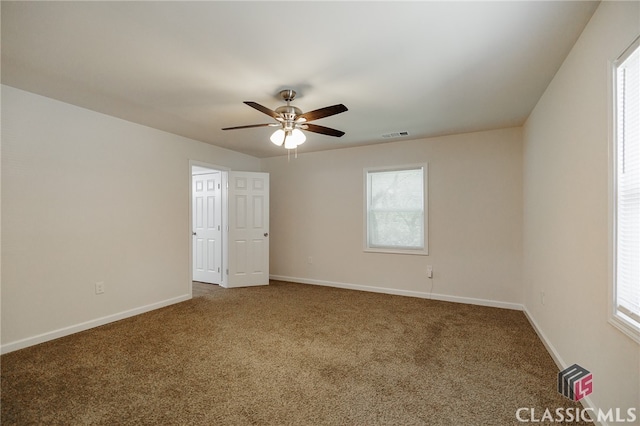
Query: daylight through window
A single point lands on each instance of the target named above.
(396, 210)
(627, 191)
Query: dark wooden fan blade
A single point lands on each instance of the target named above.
(247, 126)
(324, 130)
(263, 109)
(323, 112)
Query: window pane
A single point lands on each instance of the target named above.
(627, 279)
(396, 209)
(396, 190)
(396, 229)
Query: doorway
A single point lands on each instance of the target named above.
(207, 223)
(229, 218)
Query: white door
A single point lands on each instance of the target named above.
(207, 228)
(248, 229)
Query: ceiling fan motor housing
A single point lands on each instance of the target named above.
(289, 114)
(288, 95)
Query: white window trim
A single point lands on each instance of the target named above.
(616, 318)
(425, 189)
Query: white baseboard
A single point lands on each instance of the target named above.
(66, 331)
(398, 292)
(550, 348)
(586, 401)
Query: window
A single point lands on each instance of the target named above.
(395, 210)
(626, 280)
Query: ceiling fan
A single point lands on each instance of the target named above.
(291, 121)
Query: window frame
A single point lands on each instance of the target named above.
(617, 318)
(425, 206)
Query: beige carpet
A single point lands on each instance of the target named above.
(288, 354)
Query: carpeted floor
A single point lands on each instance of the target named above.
(288, 354)
(203, 289)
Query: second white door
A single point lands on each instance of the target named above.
(207, 228)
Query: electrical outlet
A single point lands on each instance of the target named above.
(100, 287)
(429, 271)
(310, 260)
(542, 297)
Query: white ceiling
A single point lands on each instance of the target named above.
(428, 68)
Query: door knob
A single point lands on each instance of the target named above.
(266, 234)
(194, 233)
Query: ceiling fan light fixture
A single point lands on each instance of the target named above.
(289, 144)
(297, 136)
(277, 137)
(294, 138)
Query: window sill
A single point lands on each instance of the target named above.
(422, 252)
(626, 326)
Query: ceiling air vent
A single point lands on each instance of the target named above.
(395, 135)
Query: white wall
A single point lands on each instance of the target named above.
(87, 197)
(566, 228)
(475, 218)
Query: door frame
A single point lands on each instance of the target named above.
(224, 172)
